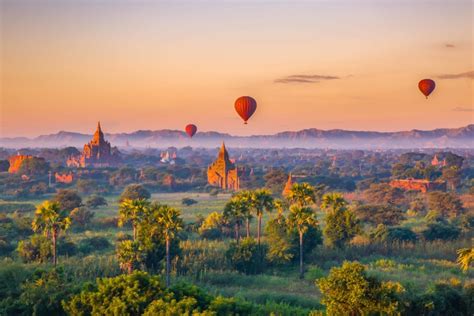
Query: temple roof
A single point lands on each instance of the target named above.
(98, 135)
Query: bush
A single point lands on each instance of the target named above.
(134, 192)
(97, 243)
(246, 256)
(393, 234)
(10, 207)
(347, 290)
(441, 231)
(37, 248)
(95, 201)
(188, 201)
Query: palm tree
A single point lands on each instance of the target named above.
(301, 218)
(465, 258)
(333, 202)
(128, 255)
(245, 200)
(133, 211)
(169, 223)
(234, 213)
(302, 194)
(51, 221)
(262, 200)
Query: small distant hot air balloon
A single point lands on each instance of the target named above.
(245, 107)
(190, 129)
(426, 86)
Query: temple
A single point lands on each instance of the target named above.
(288, 186)
(17, 161)
(418, 185)
(223, 173)
(97, 153)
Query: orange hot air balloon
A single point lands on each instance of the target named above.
(190, 129)
(245, 107)
(426, 86)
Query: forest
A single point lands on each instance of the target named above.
(153, 238)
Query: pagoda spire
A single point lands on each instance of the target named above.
(98, 135)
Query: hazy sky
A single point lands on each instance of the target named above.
(350, 64)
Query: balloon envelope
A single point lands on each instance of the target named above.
(426, 86)
(191, 129)
(245, 107)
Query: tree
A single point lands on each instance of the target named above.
(302, 194)
(275, 179)
(383, 193)
(245, 256)
(67, 200)
(301, 218)
(465, 258)
(134, 192)
(170, 223)
(441, 231)
(392, 235)
(34, 166)
(51, 221)
(211, 227)
(379, 214)
(37, 248)
(81, 216)
(347, 290)
(188, 201)
(86, 186)
(95, 201)
(261, 200)
(341, 223)
(446, 204)
(234, 214)
(244, 199)
(133, 211)
(128, 255)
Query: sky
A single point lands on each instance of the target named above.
(148, 65)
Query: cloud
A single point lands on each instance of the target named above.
(305, 78)
(449, 45)
(469, 75)
(463, 109)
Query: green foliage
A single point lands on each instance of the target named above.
(246, 256)
(188, 201)
(91, 244)
(10, 207)
(81, 217)
(386, 234)
(347, 290)
(383, 193)
(446, 204)
(95, 201)
(441, 231)
(302, 194)
(129, 255)
(379, 214)
(280, 247)
(43, 294)
(34, 166)
(211, 227)
(67, 200)
(341, 223)
(37, 248)
(134, 192)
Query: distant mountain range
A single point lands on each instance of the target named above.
(308, 138)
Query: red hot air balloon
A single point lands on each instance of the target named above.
(426, 86)
(245, 107)
(191, 129)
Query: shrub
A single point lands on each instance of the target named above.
(188, 201)
(246, 256)
(97, 243)
(347, 290)
(37, 248)
(393, 234)
(10, 207)
(95, 201)
(441, 231)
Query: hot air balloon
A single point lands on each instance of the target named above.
(190, 129)
(245, 107)
(426, 86)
